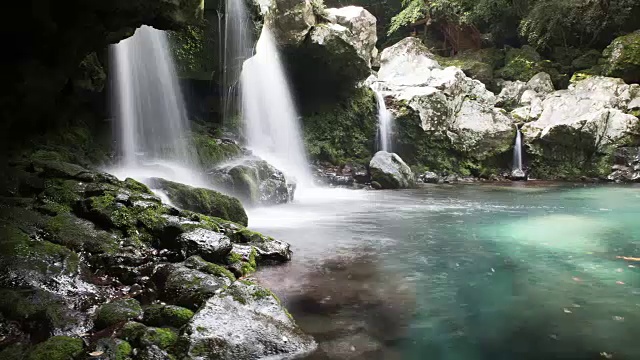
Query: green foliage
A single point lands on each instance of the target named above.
(167, 315)
(343, 132)
(191, 58)
(577, 22)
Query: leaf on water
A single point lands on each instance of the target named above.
(628, 258)
(96, 353)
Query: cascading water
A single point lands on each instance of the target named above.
(238, 47)
(271, 122)
(385, 123)
(517, 151)
(149, 109)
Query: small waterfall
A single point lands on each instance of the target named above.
(149, 109)
(385, 123)
(517, 151)
(271, 121)
(238, 47)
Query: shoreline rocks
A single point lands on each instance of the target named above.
(390, 172)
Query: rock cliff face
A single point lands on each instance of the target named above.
(49, 42)
(455, 114)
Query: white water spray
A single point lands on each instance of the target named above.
(517, 151)
(385, 123)
(150, 112)
(271, 121)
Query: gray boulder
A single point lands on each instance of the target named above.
(290, 20)
(254, 181)
(245, 321)
(388, 170)
(210, 245)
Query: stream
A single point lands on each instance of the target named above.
(463, 272)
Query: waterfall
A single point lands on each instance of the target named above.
(385, 123)
(149, 109)
(517, 151)
(238, 47)
(271, 121)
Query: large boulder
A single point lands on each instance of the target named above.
(390, 171)
(622, 58)
(245, 321)
(362, 27)
(200, 200)
(254, 181)
(451, 105)
(289, 20)
(578, 129)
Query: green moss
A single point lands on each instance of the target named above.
(234, 258)
(212, 151)
(57, 348)
(205, 201)
(218, 270)
(164, 338)
(250, 266)
(123, 350)
(117, 311)
(622, 58)
(167, 315)
(343, 132)
(136, 186)
(132, 331)
(65, 193)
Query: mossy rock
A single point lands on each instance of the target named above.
(81, 235)
(520, 64)
(114, 349)
(57, 348)
(187, 287)
(167, 315)
(164, 338)
(197, 263)
(14, 352)
(204, 201)
(342, 131)
(116, 312)
(478, 64)
(212, 151)
(587, 60)
(622, 58)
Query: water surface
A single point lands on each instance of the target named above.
(462, 272)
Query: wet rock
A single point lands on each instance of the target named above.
(390, 171)
(290, 20)
(167, 315)
(518, 175)
(118, 311)
(245, 322)
(187, 287)
(197, 263)
(254, 181)
(111, 349)
(210, 245)
(429, 177)
(153, 353)
(622, 58)
(204, 201)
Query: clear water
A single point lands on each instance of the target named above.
(153, 128)
(463, 272)
(385, 123)
(517, 151)
(271, 122)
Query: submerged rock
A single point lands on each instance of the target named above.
(255, 182)
(388, 170)
(245, 321)
(204, 201)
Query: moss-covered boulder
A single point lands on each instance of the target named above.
(213, 151)
(622, 58)
(210, 245)
(390, 171)
(520, 64)
(112, 349)
(204, 201)
(187, 287)
(254, 181)
(118, 311)
(57, 348)
(289, 20)
(479, 64)
(167, 315)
